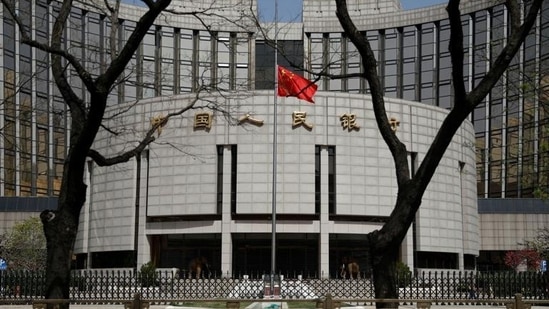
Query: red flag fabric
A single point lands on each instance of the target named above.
(293, 85)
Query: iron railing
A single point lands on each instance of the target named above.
(119, 285)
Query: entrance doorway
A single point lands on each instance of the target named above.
(296, 254)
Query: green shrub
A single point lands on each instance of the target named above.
(147, 275)
(404, 274)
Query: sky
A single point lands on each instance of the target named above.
(290, 10)
(414, 4)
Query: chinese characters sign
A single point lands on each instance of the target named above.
(203, 120)
(348, 122)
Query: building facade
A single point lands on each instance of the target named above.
(198, 209)
(335, 182)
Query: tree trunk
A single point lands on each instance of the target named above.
(60, 237)
(384, 275)
(385, 243)
(60, 228)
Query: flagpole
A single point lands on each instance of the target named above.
(275, 133)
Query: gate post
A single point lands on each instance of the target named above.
(519, 304)
(137, 303)
(328, 302)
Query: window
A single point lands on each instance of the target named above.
(42, 172)
(353, 62)
(317, 53)
(147, 74)
(167, 67)
(331, 179)
(224, 61)
(409, 62)
(390, 62)
(264, 69)
(204, 58)
(130, 73)
(242, 58)
(444, 66)
(481, 163)
(9, 133)
(511, 162)
(480, 47)
(437, 260)
(220, 180)
(495, 177)
(318, 180)
(186, 60)
(336, 60)
(427, 63)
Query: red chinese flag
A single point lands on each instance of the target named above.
(293, 85)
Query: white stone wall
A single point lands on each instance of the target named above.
(111, 210)
(502, 232)
(182, 175)
(8, 219)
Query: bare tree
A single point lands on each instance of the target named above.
(87, 113)
(535, 90)
(384, 243)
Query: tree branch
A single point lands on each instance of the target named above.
(26, 39)
(501, 63)
(461, 110)
(119, 63)
(397, 148)
(76, 105)
(101, 160)
(456, 50)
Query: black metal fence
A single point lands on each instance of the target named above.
(121, 285)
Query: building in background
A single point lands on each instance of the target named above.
(333, 184)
